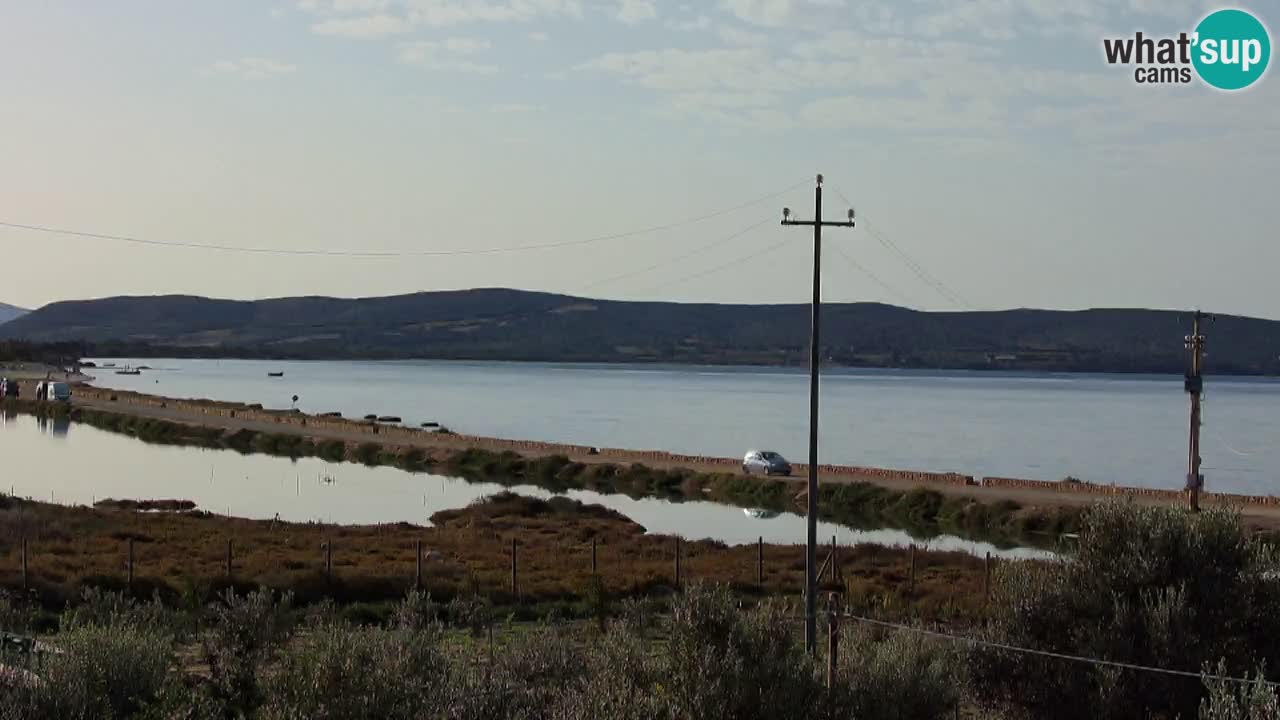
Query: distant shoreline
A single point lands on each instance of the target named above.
(781, 369)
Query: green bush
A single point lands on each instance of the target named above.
(339, 672)
(1155, 586)
(99, 673)
(245, 632)
(897, 675)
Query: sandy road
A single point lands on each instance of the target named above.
(1256, 515)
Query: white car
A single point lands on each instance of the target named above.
(765, 462)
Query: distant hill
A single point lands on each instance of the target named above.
(9, 312)
(518, 325)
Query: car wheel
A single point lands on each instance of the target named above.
(745, 470)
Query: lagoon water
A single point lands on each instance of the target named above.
(70, 463)
(1122, 429)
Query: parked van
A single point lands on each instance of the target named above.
(58, 392)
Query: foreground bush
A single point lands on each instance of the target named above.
(100, 673)
(340, 672)
(1151, 586)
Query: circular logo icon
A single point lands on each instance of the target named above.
(1232, 49)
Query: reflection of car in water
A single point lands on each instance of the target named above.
(765, 462)
(758, 514)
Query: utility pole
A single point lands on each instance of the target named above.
(1195, 386)
(811, 541)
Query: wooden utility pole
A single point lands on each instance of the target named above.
(811, 540)
(1194, 386)
(417, 565)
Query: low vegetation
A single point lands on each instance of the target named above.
(1150, 590)
(180, 558)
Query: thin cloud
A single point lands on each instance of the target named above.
(451, 55)
(252, 67)
(368, 26)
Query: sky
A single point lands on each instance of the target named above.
(993, 158)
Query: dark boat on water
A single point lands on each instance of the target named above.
(128, 372)
(275, 374)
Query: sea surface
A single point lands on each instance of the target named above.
(1122, 429)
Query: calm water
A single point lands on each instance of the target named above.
(78, 464)
(1120, 429)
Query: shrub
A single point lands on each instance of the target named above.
(245, 631)
(342, 672)
(100, 672)
(899, 675)
(1235, 701)
(1152, 586)
(723, 663)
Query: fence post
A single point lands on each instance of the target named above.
(760, 561)
(515, 589)
(328, 560)
(24, 562)
(677, 561)
(986, 573)
(593, 559)
(130, 565)
(833, 641)
(228, 558)
(835, 560)
(417, 565)
(911, 577)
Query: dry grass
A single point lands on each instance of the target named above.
(182, 556)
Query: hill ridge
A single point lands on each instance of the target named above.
(509, 324)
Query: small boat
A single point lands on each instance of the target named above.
(275, 374)
(128, 372)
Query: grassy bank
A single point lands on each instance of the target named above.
(181, 557)
(923, 512)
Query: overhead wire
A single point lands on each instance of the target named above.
(678, 258)
(393, 253)
(871, 275)
(1055, 655)
(718, 268)
(915, 267)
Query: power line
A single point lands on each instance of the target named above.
(871, 276)
(668, 261)
(915, 267)
(1057, 656)
(718, 268)
(397, 253)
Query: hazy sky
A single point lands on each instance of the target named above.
(987, 138)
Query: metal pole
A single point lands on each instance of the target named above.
(417, 567)
(594, 573)
(515, 589)
(130, 582)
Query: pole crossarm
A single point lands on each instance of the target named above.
(823, 223)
